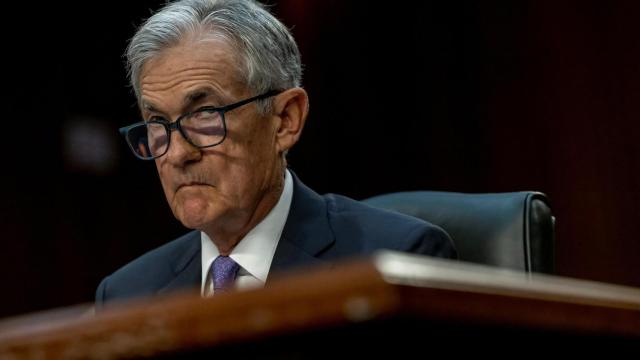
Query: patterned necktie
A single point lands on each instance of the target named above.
(224, 272)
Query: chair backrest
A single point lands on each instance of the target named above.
(511, 230)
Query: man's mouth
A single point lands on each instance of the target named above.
(189, 184)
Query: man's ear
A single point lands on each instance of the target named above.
(292, 107)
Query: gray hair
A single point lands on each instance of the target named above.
(268, 57)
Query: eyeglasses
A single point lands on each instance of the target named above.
(205, 127)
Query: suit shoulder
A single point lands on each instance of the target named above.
(148, 272)
(160, 256)
(342, 207)
(379, 228)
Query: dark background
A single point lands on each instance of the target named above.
(468, 96)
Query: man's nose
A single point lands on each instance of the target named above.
(181, 151)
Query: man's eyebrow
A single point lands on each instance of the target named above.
(149, 107)
(190, 98)
(199, 94)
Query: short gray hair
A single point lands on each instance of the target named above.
(268, 56)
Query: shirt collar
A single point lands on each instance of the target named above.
(255, 251)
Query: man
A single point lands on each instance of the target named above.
(218, 85)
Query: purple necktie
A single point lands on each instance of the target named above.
(224, 272)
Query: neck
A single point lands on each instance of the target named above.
(235, 227)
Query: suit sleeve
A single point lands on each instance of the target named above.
(432, 240)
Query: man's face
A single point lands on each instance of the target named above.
(219, 188)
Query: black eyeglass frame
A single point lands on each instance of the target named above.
(176, 125)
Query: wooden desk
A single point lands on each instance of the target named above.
(394, 304)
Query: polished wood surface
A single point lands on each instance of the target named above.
(361, 294)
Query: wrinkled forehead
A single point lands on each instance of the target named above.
(211, 50)
(193, 63)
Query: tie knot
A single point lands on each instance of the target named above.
(224, 273)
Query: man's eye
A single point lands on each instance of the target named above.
(206, 114)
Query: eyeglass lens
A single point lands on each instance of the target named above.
(202, 129)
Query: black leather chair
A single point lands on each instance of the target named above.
(510, 230)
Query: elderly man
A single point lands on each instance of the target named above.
(218, 85)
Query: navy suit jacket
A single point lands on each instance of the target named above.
(318, 230)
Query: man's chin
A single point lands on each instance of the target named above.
(195, 223)
(194, 215)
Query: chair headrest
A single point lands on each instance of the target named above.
(513, 230)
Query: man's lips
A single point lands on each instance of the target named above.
(191, 184)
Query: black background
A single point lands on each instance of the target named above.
(469, 96)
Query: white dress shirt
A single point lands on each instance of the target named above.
(255, 251)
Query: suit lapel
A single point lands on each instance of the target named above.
(306, 233)
(186, 266)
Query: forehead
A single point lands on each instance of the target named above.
(192, 63)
